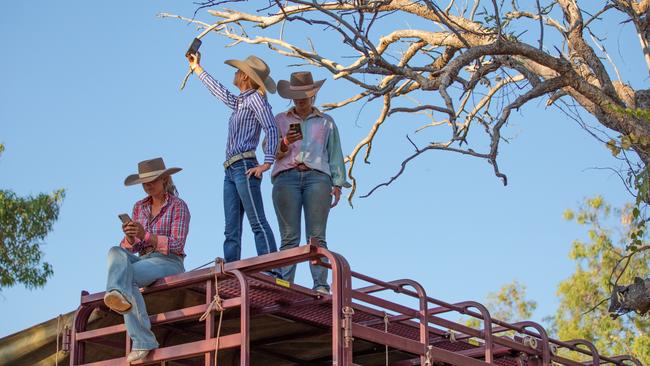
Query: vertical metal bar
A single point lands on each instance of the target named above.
(209, 321)
(546, 349)
(244, 353)
(487, 327)
(595, 361)
(79, 325)
(341, 297)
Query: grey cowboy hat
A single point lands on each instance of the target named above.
(150, 170)
(301, 85)
(256, 69)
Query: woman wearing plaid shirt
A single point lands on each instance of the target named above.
(157, 232)
(251, 113)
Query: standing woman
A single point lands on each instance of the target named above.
(309, 172)
(251, 113)
(157, 232)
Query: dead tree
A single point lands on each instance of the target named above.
(474, 62)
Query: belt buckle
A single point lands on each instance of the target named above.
(302, 167)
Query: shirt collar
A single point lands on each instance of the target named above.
(314, 112)
(247, 93)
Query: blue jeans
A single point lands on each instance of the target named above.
(294, 191)
(127, 273)
(242, 194)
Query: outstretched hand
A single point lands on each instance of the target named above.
(195, 60)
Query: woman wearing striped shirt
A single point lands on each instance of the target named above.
(251, 113)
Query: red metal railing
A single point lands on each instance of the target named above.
(355, 313)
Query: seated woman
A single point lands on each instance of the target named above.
(157, 232)
(309, 171)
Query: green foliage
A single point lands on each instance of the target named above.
(24, 223)
(508, 304)
(596, 259)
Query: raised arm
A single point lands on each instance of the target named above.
(216, 88)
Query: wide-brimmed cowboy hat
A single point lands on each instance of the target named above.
(150, 170)
(301, 85)
(256, 69)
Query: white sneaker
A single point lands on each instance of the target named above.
(116, 301)
(137, 354)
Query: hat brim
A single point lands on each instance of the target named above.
(135, 178)
(269, 83)
(285, 91)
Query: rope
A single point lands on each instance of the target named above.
(386, 322)
(428, 361)
(217, 305)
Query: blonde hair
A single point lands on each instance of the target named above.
(169, 185)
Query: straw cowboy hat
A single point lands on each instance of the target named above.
(256, 69)
(150, 170)
(300, 86)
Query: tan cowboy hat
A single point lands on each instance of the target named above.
(148, 171)
(256, 69)
(300, 86)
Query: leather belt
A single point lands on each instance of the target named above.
(302, 168)
(238, 157)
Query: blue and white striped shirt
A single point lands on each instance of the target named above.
(251, 113)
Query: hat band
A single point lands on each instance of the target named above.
(150, 174)
(301, 87)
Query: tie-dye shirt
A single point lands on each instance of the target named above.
(319, 149)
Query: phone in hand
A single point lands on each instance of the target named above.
(124, 218)
(194, 47)
(295, 128)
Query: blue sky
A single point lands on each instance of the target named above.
(88, 89)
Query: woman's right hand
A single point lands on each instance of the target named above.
(292, 137)
(195, 60)
(126, 230)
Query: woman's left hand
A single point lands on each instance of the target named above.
(258, 170)
(135, 229)
(336, 192)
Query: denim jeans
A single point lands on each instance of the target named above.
(242, 194)
(294, 191)
(127, 273)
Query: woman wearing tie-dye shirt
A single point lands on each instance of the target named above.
(309, 171)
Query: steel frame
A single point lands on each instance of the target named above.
(348, 304)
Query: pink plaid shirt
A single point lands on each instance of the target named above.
(171, 226)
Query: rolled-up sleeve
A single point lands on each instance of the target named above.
(174, 243)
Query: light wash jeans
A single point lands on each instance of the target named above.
(242, 194)
(294, 191)
(127, 273)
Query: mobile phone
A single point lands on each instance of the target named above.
(295, 128)
(124, 217)
(194, 47)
